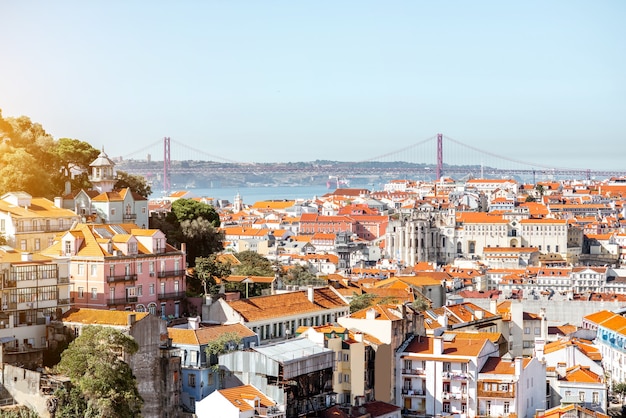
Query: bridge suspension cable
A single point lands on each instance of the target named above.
(491, 154)
(205, 153)
(146, 148)
(398, 151)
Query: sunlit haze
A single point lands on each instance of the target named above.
(277, 81)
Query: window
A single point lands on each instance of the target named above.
(446, 366)
(94, 293)
(464, 367)
(152, 288)
(581, 396)
(537, 331)
(37, 244)
(139, 267)
(526, 330)
(464, 408)
(81, 292)
(81, 269)
(139, 290)
(191, 380)
(507, 407)
(23, 245)
(193, 357)
(595, 397)
(446, 407)
(113, 211)
(346, 378)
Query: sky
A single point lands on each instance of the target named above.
(285, 81)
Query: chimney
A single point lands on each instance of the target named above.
(437, 346)
(310, 293)
(540, 344)
(519, 365)
(480, 314)
(183, 247)
(370, 313)
(194, 322)
(58, 202)
(358, 336)
(27, 257)
(443, 320)
(493, 306)
(132, 318)
(570, 355)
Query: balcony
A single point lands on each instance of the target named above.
(9, 283)
(122, 278)
(170, 273)
(455, 375)
(414, 372)
(412, 392)
(495, 393)
(454, 396)
(63, 280)
(271, 412)
(122, 301)
(172, 295)
(63, 302)
(44, 228)
(129, 216)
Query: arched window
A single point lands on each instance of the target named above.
(152, 308)
(140, 308)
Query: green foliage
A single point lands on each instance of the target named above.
(137, 184)
(189, 209)
(420, 304)
(106, 383)
(221, 345)
(619, 388)
(252, 264)
(207, 268)
(301, 275)
(530, 198)
(193, 223)
(18, 412)
(362, 301)
(32, 161)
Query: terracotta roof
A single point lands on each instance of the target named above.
(275, 306)
(207, 334)
(101, 316)
(497, 365)
(240, 396)
(457, 347)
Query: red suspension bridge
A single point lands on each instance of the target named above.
(422, 159)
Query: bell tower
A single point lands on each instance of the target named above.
(102, 176)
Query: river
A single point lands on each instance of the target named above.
(251, 195)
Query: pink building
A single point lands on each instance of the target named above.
(123, 267)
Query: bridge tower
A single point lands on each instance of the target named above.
(166, 165)
(439, 155)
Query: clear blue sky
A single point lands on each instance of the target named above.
(264, 81)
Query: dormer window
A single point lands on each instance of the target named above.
(68, 247)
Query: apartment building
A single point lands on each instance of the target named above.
(438, 375)
(611, 338)
(31, 223)
(121, 266)
(33, 290)
(511, 387)
(200, 376)
(276, 317)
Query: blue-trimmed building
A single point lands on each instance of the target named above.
(200, 377)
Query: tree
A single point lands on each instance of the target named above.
(190, 209)
(207, 269)
(301, 275)
(362, 301)
(253, 264)
(225, 343)
(420, 304)
(20, 171)
(137, 184)
(194, 223)
(620, 389)
(104, 381)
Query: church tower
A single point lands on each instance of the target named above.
(102, 176)
(238, 204)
